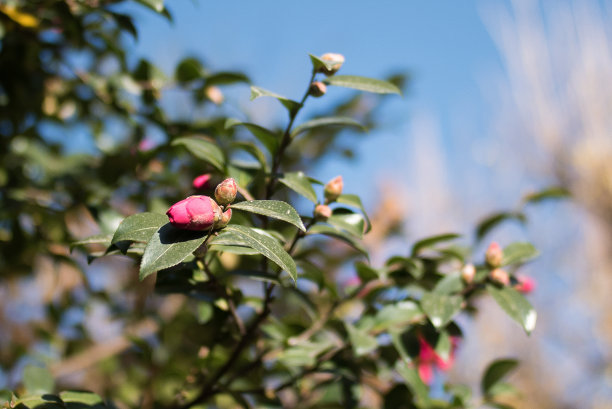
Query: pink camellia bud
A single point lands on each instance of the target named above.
(194, 213)
(525, 284)
(333, 189)
(214, 95)
(317, 89)
(225, 218)
(225, 193)
(336, 59)
(201, 182)
(494, 255)
(322, 212)
(500, 276)
(468, 272)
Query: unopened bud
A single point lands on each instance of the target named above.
(336, 59)
(494, 255)
(468, 272)
(225, 218)
(225, 193)
(214, 95)
(525, 284)
(322, 212)
(333, 189)
(194, 213)
(201, 182)
(317, 89)
(500, 276)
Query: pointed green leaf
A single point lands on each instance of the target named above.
(338, 234)
(168, 247)
(318, 63)
(268, 138)
(362, 342)
(203, 149)
(519, 253)
(555, 192)
(225, 78)
(257, 92)
(156, 5)
(444, 346)
(363, 84)
(266, 246)
(431, 241)
(328, 121)
(299, 183)
(88, 399)
(515, 305)
(414, 382)
(254, 151)
(272, 208)
(139, 227)
(495, 372)
(440, 308)
(189, 69)
(355, 201)
(396, 316)
(489, 223)
(352, 223)
(244, 251)
(104, 239)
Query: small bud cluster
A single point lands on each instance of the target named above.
(200, 212)
(334, 62)
(331, 191)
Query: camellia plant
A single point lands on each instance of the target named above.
(256, 304)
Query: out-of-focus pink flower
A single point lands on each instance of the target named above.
(194, 213)
(525, 284)
(429, 359)
(146, 145)
(201, 182)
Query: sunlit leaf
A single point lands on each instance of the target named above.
(515, 305)
(139, 227)
(203, 149)
(268, 138)
(440, 308)
(257, 92)
(352, 223)
(363, 84)
(355, 201)
(299, 183)
(37, 380)
(324, 122)
(338, 234)
(362, 342)
(272, 208)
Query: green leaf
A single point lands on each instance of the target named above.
(395, 316)
(254, 150)
(414, 382)
(318, 63)
(363, 84)
(272, 208)
(84, 398)
(352, 223)
(338, 234)
(440, 308)
(37, 380)
(257, 92)
(555, 192)
(519, 253)
(362, 342)
(489, 223)
(451, 283)
(365, 272)
(189, 69)
(299, 183)
(168, 247)
(155, 5)
(104, 239)
(495, 372)
(244, 251)
(203, 149)
(431, 241)
(268, 138)
(225, 78)
(46, 401)
(139, 227)
(266, 246)
(355, 201)
(443, 346)
(327, 121)
(515, 305)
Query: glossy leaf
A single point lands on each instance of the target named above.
(203, 149)
(515, 305)
(268, 138)
(299, 183)
(272, 208)
(495, 373)
(355, 201)
(338, 234)
(362, 342)
(324, 122)
(431, 241)
(363, 84)
(352, 223)
(519, 253)
(139, 227)
(489, 223)
(168, 247)
(257, 92)
(266, 246)
(440, 308)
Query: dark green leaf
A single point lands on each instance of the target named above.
(488, 224)
(189, 69)
(268, 138)
(363, 84)
(257, 92)
(37, 380)
(322, 122)
(365, 272)
(203, 149)
(333, 232)
(355, 201)
(519, 253)
(362, 342)
(515, 305)
(495, 372)
(414, 382)
(168, 247)
(46, 401)
(252, 149)
(139, 227)
(225, 78)
(272, 208)
(431, 241)
(440, 308)
(299, 183)
(267, 246)
(555, 192)
(352, 223)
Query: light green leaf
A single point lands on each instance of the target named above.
(395, 316)
(431, 241)
(168, 247)
(355, 201)
(203, 149)
(44, 401)
(451, 283)
(272, 208)
(338, 234)
(322, 122)
(139, 227)
(414, 382)
(363, 84)
(515, 305)
(440, 308)
(495, 372)
(156, 5)
(37, 380)
(86, 398)
(519, 253)
(266, 246)
(444, 346)
(362, 342)
(268, 138)
(299, 183)
(318, 63)
(352, 223)
(257, 92)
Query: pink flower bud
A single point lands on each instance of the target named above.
(333, 189)
(225, 218)
(525, 284)
(322, 212)
(201, 182)
(500, 276)
(468, 272)
(214, 95)
(494, 255)
(317, 89)
(225, 193)
(337, 59)
(194, 213)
